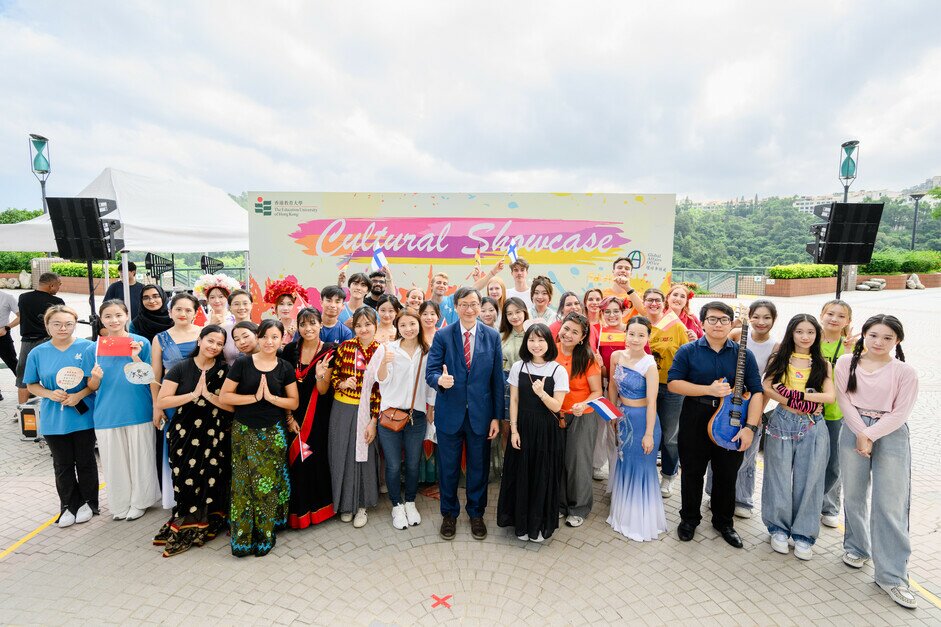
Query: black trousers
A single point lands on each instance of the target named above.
(8, 351)
(696, 451)
(73, 459)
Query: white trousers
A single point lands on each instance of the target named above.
(127, 458)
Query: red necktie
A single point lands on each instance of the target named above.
(467, 350)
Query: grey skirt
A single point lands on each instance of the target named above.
(355, 484)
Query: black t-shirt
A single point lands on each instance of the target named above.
(116, 290)
(260, 413)
(33, 306)
(369, 301)
(186, 375)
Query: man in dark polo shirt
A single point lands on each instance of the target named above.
(33, 306)
(696, 373)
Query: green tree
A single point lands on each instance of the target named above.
(12, 216)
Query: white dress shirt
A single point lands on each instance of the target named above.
(396, 389)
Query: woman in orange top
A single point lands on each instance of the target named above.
(577, 357)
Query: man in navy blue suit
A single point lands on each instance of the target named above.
(465, 366)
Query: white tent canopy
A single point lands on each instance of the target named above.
(159, 215)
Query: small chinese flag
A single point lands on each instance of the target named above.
(114, 347)
(201, 319)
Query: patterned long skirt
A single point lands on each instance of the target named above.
(261, 488)
(198, 445)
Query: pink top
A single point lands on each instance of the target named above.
(892, 389)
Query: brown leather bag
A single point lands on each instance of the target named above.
(395, 419)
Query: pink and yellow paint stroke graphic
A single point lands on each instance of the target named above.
(453, 241)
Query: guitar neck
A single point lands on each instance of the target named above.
(740, 363)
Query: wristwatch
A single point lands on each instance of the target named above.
(754, 428)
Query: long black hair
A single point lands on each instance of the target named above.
(890, 321)
(582, 355)
(209, 328)
(505, 327)
(539, 330)
(777, 365)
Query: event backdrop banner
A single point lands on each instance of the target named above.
(571, 238)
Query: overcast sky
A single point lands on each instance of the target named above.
(707, 99)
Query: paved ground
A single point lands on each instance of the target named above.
(106, 571)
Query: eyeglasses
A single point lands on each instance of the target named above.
(653, 300)
(718, 320)
(61, 325)
(467, 306)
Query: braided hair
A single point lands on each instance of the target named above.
(890, 321)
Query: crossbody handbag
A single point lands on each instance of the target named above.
(394, 419)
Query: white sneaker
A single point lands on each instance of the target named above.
(359, 520)
(66, 519)
(119, 516)
(524, 537)
(854, 561)
(399, 521)
(742, 512)
(779, 542)
(134, 514)
(574, 521)
(803, 550)
(830, 521)
(412, 515)
(666, 486)
(538, 538)
(901, 595)
(346, 517)
(599, 474)
(83, 514)
(383, 489)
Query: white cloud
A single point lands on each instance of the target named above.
(713, 100)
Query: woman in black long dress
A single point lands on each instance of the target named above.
(311, 492)
(532, 467)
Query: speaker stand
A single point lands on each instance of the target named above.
(92, 316)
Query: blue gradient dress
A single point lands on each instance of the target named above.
(636, 504)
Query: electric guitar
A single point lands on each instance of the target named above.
(729, 418)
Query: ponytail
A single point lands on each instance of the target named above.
(898, 352)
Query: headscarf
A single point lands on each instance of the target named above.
(149, 323)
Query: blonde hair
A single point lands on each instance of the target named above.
(441, 274)
(839, 303)
(502, 285)
(56, 309)
(686, 290)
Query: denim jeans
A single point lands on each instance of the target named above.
(669, 406)
(745, 481)
(393, 443)
(878, 530)
(832, 487)
(796, 450)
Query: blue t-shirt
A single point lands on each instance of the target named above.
(43, 363)
(338, 333)
(345, 315)
(697, 363)
(118, 402)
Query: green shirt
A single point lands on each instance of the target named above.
(511, 349)
(831, 352)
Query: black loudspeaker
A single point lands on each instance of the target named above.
(849, 235)
(83, 229)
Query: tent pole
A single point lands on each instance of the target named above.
(125, 278)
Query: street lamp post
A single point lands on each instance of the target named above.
(916, 197)
(849, 158)
(39, 163)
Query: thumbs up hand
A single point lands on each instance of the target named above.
(445, 381)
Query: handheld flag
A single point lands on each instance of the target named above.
(605, 408)
(344, 262)
(305, 450)
(379, 260)
(114, 347)
(511, 253)
(477, 256)
(200, 320)
(299, 303)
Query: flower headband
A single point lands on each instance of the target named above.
(284, 287)
(207, 282)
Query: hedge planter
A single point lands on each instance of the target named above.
(929, 280)
(800, 287)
